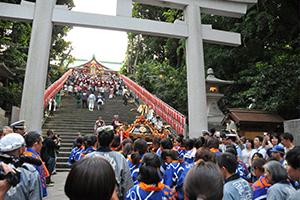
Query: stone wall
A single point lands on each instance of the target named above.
(293, 127)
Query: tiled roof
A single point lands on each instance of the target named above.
(241, 116)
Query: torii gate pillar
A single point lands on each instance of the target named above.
(195, 72)
(37, 65)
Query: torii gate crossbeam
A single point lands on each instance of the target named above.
(45, 14)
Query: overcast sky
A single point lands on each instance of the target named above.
(106, 45)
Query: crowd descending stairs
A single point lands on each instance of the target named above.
(69, 120)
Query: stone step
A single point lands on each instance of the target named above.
(66, 131)
(70, 134)
(62, 159)
(68, 121)
(63, 169)
(70, 127)
(64, 154)
(62, 165)
(60, 129)
(65, 144)
(66, 139)
(69, 148)
(58, 121)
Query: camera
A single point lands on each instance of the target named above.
(56, 137)
(12, 178)
(18, 161)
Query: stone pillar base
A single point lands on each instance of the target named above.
(293, 127)
(3, 119)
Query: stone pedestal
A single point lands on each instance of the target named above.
(214, 114)
(15, 114)
(293, 127)
(3, 119)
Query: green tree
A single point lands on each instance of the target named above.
(150, 56)
(264, 67)
(267, 57)
(14, 45)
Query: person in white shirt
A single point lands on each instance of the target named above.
(258, 147)
(150, 114)
(230, 124)
(158, 123)
(65, 90)
(91, 100)
(248, 151)
(70, 90)
(287, 141)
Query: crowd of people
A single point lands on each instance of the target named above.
(31, 160)
(89, 91)
(217, 165)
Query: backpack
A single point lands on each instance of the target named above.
(78, 96)
(44, 153)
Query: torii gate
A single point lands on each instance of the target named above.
(44, 14)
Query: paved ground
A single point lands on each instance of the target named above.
(57, 192)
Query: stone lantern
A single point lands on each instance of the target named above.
(214, 114)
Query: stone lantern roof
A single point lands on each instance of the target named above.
(212, 79)
(5, 71)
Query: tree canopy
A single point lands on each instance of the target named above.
(14, 41)
(265, 67)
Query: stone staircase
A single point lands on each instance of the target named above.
(69, 120)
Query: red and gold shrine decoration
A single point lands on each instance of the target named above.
(140, 123)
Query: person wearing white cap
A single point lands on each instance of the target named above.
(30, 185)
(206, 134)
(19, 127)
